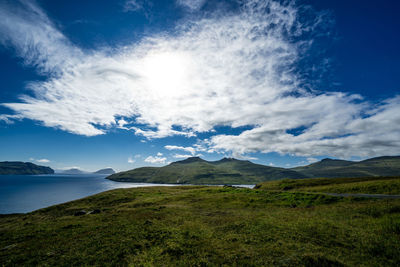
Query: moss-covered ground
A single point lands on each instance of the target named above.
(366, 185)
(206, 226)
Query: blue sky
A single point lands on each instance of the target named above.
(129, 83)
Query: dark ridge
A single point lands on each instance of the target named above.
(190, 160)
(23, 168)
(381, 158)
(331, 162)
(223, 160)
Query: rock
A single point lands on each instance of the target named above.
(80, 213)
(9, 247)
(96, 211)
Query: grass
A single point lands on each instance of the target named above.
(201, 226)
(366, 185)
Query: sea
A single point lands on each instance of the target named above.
(26, 193)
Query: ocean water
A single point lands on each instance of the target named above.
(25, 193)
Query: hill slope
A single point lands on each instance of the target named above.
(329, 168)
(23, 168)
(198, 171)
(105, 171)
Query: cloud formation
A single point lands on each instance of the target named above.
(155, 160)
(233, 69)
(43, 160)
(182, 156)
(133, 5)
(189, 149)
(191, 4)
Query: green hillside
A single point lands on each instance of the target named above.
(206, 226)
(365, 185)
(329, 168)
(195, 170)
(23, 168)
(198, 171)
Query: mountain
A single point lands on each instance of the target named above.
(105, 171)
(332, 168)
(195, 170)
(74, 171)
(17, 167)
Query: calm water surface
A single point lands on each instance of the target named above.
(25, 193)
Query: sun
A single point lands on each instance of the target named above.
(166, 73)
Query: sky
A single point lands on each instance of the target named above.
(130, 83)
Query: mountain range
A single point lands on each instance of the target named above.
(195, 170)
(334, 168)
(76, 171)
(28, 168)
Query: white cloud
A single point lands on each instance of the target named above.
(189, 149)
(231, 69)
(133, 5)
(131, 160)
(242, 156)
(182, 156)
(36, 38)
(342, 132)
(71, 167)
(191, 4)
(159, 154)
(142, 6)
(312, 160)
(155, 160)
(9, 119)
(43, 160)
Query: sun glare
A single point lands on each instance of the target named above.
(166, 73)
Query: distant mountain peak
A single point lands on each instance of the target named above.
(190, 160)
(105, 171)
(329, 160)
(225, 159)
(73, 171)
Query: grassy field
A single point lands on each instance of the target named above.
(366, 185)
(199, 226)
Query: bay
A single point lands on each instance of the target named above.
(26, 193)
